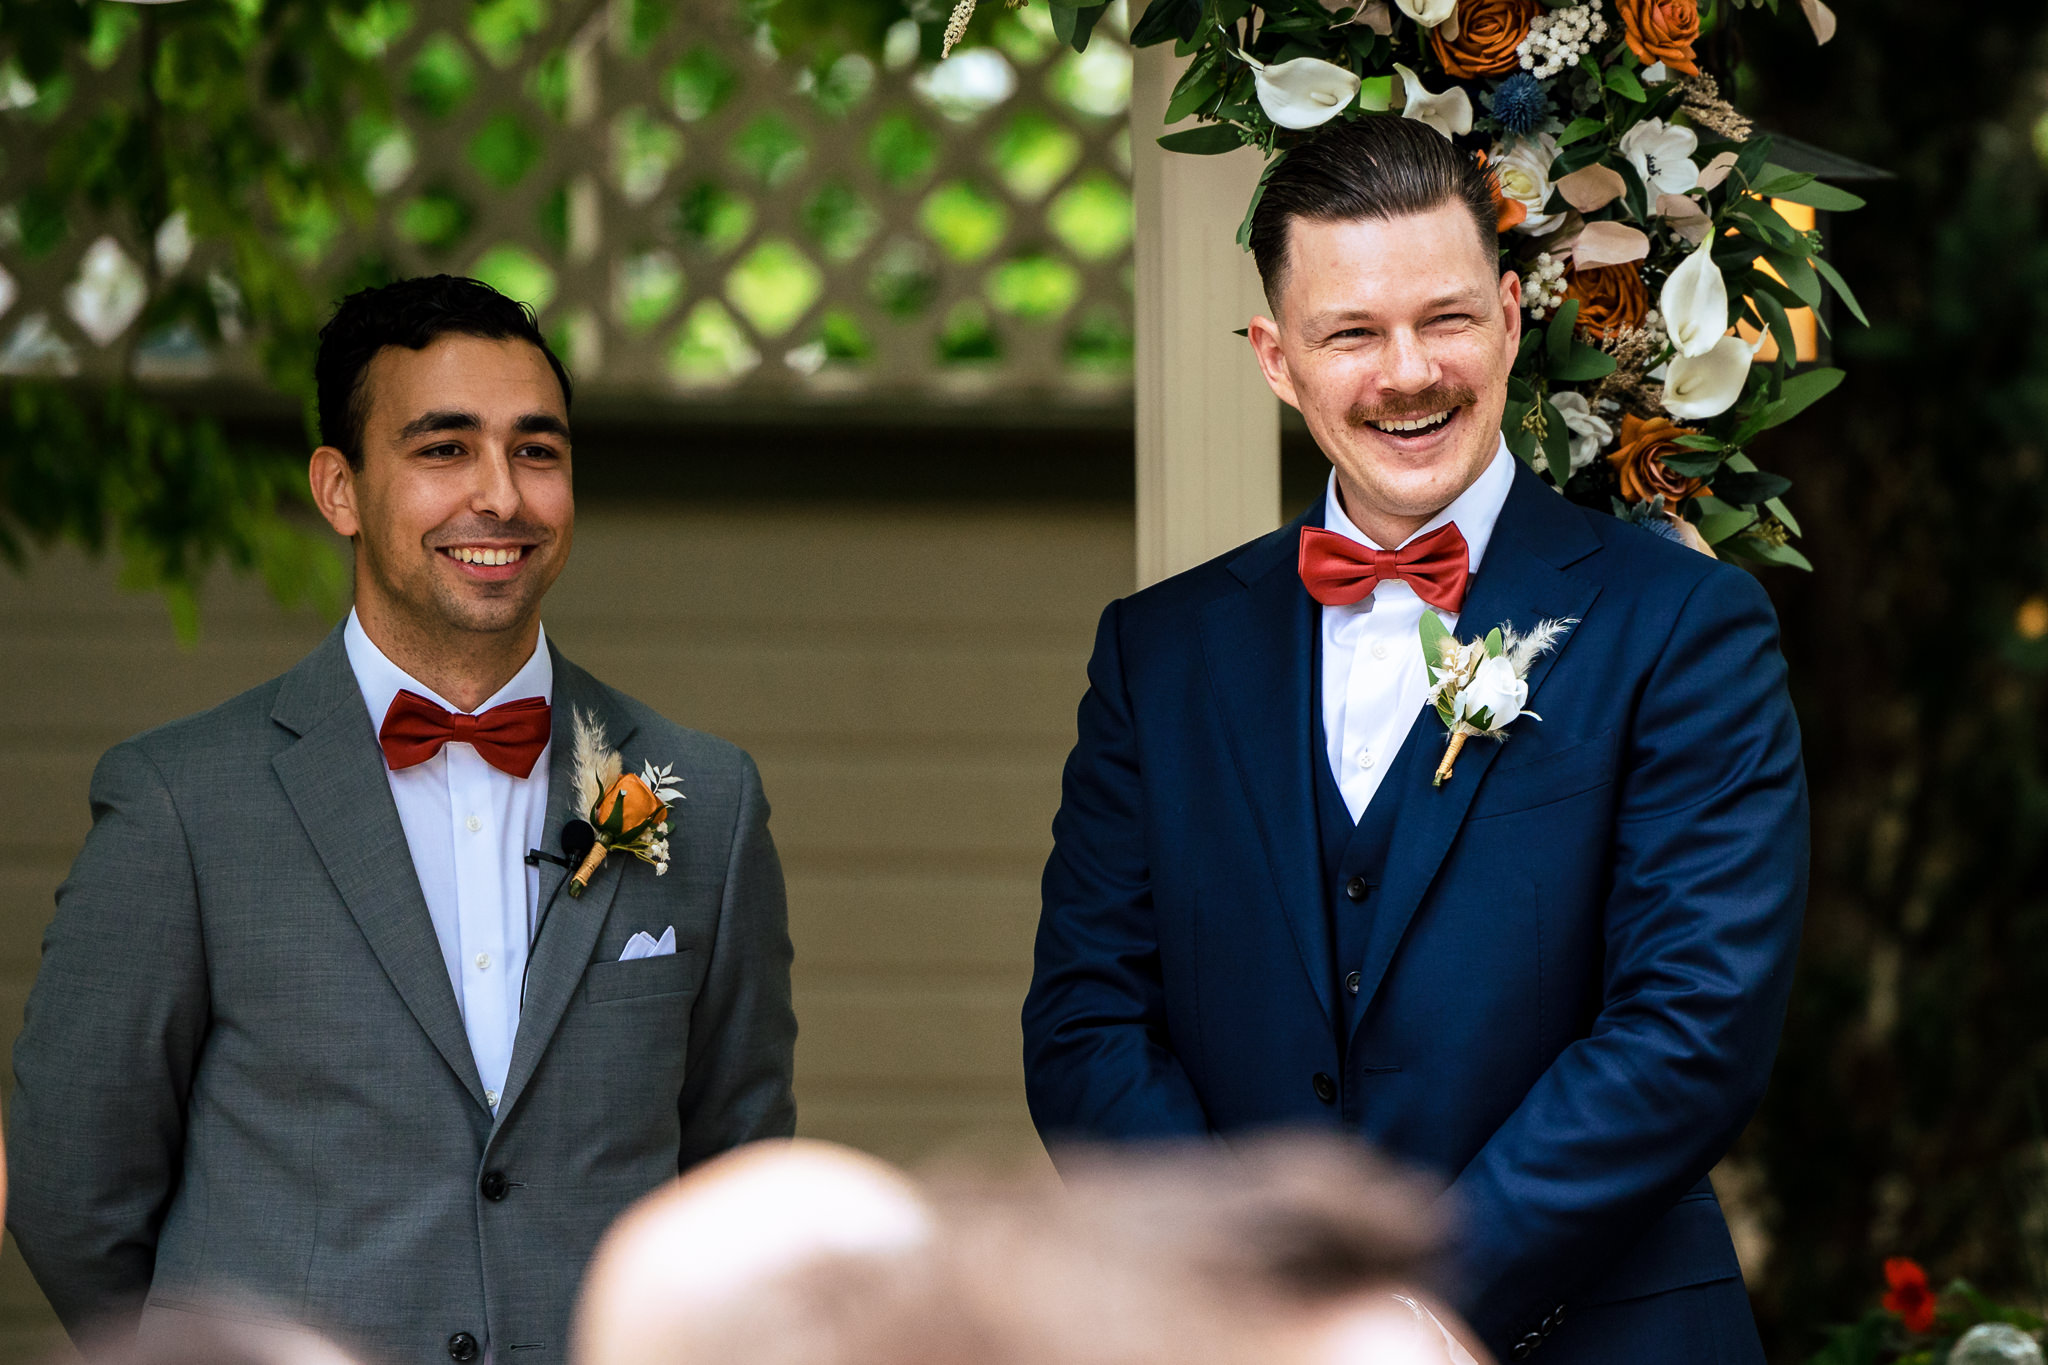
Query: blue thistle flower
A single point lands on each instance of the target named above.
(1519, 104)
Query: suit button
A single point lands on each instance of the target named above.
(1355, 889)
(1326, 1089)
(494, 1185)
(1351, 983)
(462, 1346)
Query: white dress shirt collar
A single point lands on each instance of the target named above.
(1475, 510)
(381, 680)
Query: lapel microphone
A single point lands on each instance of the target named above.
(577, 839)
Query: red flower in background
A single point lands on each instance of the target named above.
(1909, 1296)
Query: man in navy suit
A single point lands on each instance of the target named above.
(1559, 978)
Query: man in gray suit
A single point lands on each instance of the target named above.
(312, 1029)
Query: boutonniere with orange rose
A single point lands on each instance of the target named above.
(1479, 687)
(627, 812)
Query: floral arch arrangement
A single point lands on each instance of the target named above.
(1666, 285)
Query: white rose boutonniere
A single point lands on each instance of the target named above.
(1480, 687)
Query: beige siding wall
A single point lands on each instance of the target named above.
(906, 680)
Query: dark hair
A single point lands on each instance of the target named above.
(1380, 166)
(409, 313)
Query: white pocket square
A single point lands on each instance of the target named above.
(644, 944)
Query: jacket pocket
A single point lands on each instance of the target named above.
(670, 974)
(1518, 783)
(1688, 1245)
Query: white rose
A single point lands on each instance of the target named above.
(1524, 176)
(1494, 690)
(1590, 432)
(1662, 156)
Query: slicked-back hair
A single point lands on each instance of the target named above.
(1377, 167)
(409, 313)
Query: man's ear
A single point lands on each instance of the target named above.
(1265, 339)
(334, 490)
(1511, 310)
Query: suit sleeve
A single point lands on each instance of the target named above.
(1098, 1061)
(737, 1082)
(1702, 922)
(104, 1063)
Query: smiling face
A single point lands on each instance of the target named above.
(1394, 338)
(461, 511)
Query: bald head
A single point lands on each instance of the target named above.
(735, 1224)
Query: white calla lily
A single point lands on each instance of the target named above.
(1428, 13)
(1449, 113)
(1702, 386)
(1662, 156)
(1304, 93)
(1694, 302)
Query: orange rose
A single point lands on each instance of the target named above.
(1611, 299)
(1639, 462)
(1662, 31)
(1489, 31)
(627, 807)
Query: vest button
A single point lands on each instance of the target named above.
(462, 1346)
(494, 1185)
(1356, 888)
(1326, 1089)
(1351, 983)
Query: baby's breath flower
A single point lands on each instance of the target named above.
(1558, 38)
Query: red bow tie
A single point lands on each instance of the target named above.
(509, 737)
(1338, 571)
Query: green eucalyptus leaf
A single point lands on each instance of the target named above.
(1558, 336)
(1583, 364)
(1494, 644)
(1433, 633)
(1557, 444)
(1801, 391)
(1623, 82)
(1211, 139)
(1841, 288)
(1581, 128)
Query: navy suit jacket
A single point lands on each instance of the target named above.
(1581, 948)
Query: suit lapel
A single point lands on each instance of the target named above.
(334, 778)
(1259, 644)
(1521, 582)
(567, 928)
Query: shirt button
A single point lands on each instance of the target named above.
(483, 962)
(474, 824)
(1379, 649)
(1365, 760)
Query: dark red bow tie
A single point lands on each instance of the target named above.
(509, 737)
(1338, 571)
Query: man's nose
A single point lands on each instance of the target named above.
(1407, 364)
(496, 493)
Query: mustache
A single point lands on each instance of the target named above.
(481, 530)
(1408, 408)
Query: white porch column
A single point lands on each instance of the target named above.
(1208, 427)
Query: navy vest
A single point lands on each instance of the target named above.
(1354, 861)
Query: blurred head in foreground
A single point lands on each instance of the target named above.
(1288, 1252)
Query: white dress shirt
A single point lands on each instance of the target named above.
(1373, 678)
(469, 827)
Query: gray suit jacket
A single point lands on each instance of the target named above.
(244, 1072)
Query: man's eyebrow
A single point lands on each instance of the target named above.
(439, 420)
(539, 422)
(1464, 298)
